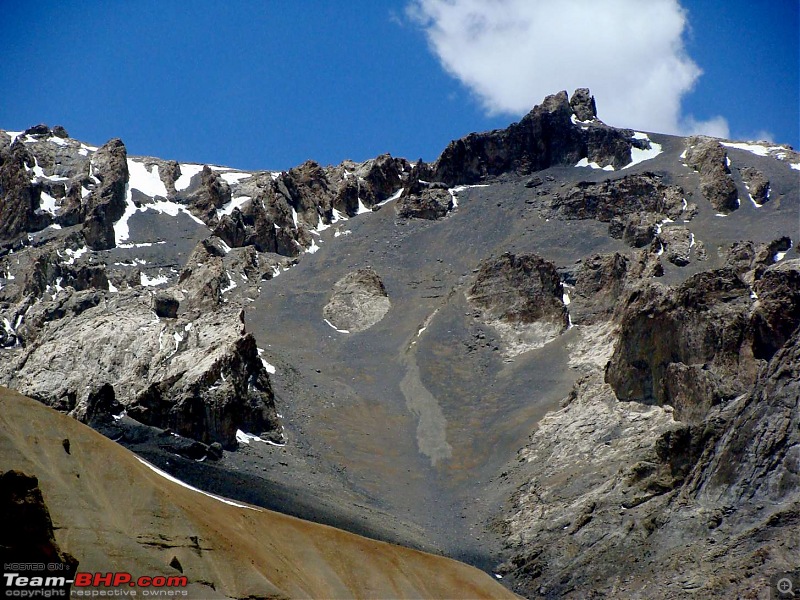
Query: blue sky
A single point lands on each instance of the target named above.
(267, 85)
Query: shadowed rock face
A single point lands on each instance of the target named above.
(27, 532)
(212, 194)
(756, 183)
(19, 198)
(359, 300)
(702, 324)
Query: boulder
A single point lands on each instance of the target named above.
(359, 300)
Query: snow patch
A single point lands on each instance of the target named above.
(237, 202)
(166, 475)
(268, 367)
(231, 178)
(187, 172)
(638, 155)
(146, 181)
(147, 281)
(584, 162)
(334, 327)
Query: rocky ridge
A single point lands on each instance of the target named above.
(681, 347)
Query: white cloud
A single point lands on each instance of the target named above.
(512, 53)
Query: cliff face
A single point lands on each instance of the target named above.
(562, 352)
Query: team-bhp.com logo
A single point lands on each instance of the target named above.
(29, 582)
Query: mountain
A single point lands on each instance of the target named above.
(564, 353)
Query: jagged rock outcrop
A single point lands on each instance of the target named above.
(522, 297)
(202, 377)
(583, 105)
(27, 532)
(709, 158)
(628, 195)
(777, 310)
(359, 300)
(751, 260)
(599, 281)
(212, 194)
(106, 204)
(19, 198)
(677, 242)
(637, 229)
(546, 136)
(421, 199)
(701, 324)
(757, 184)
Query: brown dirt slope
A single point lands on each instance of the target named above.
(112, 512)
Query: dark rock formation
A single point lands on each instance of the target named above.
(756, 183)
(617, 197)
(60, 132)
(709, 158)
(702, 324)
(777, 310)
(19, 198)
(359, 300)
(523, 288)
(522, 297)
(544, 137)
(36, 130)
(599, 282)
(27, 532)
(213, 193)
(582, 103)
(636, 229)
(233, 393)
(106, 204)
(421, 199)
(677, 243)
(165, 305)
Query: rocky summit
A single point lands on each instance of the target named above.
(564, 353)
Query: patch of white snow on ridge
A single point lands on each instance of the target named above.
(584, 162)
(638, 155)
(166, 475)
(337, 233)
(334, 327)
(187, 172)
(758, 149)
(313, 247)
(795, 166)
(235, 203)
(14, 135)
(231, 178)
(146, 181)
(394, 196)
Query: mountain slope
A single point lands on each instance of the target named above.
(112, 511)
(529, 351)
